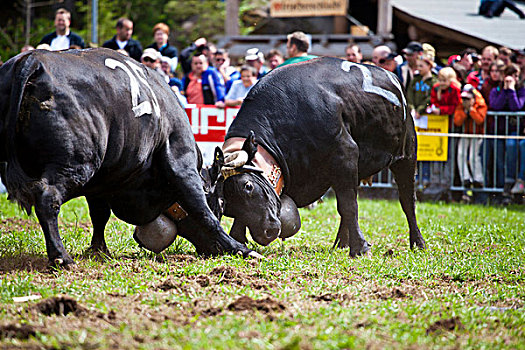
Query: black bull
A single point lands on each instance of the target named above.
(94, 123)
(326, 123)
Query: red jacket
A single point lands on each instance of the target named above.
(449, 99)
(476, 115)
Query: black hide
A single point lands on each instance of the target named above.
(328, 123)
(95, 123)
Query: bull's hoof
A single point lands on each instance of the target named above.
(418, 243)
(62, 262)
(255, 255)
(365, 250)
(97, 252)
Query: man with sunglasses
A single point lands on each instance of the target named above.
(221, 62)
(150, 58)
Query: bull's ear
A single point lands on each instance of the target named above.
(218, 162)
(250, 146)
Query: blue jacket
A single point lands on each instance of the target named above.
(213, 88)
(74, 39)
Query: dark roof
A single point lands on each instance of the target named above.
(461, 17)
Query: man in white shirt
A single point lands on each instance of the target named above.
(62, 38)
(240, 88)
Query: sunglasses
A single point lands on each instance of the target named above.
(149, 60)
(220, 59)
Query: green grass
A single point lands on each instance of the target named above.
(473, 272)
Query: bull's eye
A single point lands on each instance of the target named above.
(248, 187)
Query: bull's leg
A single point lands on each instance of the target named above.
(349, 233)
(182, 173)
(345, 186)
(404, 171)
(47, 208)
(100, 212)
(238, 231)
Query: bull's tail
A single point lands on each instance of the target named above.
(19, 185)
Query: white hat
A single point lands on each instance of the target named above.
(254, 54)
(151, 53)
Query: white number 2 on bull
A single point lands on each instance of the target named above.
(144, 107)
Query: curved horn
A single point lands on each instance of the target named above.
(235, 159)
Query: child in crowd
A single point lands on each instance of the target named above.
(470, 113)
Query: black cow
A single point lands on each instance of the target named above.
(319, 124)
(95, 123)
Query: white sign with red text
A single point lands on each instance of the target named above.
(209, 125)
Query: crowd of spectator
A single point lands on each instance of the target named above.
(467, 86)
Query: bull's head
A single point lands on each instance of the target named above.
(248, 196)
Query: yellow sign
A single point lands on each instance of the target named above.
(308, 8)
(432, 147)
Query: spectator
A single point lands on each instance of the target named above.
(27, 48)
(229, 74)
(151, 58)
(240, 88)
(198, 47)
(123, 41)
(275, 58)
(353, 53)
(43, 47)
(389, 63)
(495, 77)
(470, 113)
(493, 80)
(255, 58)
(467, 59)
(379, 52)
(161, 32)
(418, 98)
(62, 38)
(445, 94)
(297, 48)
(203, 85)
(477, 78)
(509, 96)
(408, 69)
(494, 8)
(504, 54)
(520, 60)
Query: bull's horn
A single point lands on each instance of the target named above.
(236, 159)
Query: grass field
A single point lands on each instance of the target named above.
(466, 291)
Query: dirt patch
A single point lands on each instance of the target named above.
(265, 305)
(61, 305)
(17, 224)
(385, 294)
(229, 275)
(24, 262)
(448, 324)
(329, 297)
(18, 331)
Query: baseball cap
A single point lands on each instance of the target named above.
(467, 91)
(413, 46)
(151, 53)
(254, 54)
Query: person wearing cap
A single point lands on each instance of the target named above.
(297, 46)
(255, 58)
(477, 78)
(123, 41)
(470, 114)
(150, 58)
(408, 68)
(389, 63)
(204, 84)
(161, 32)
